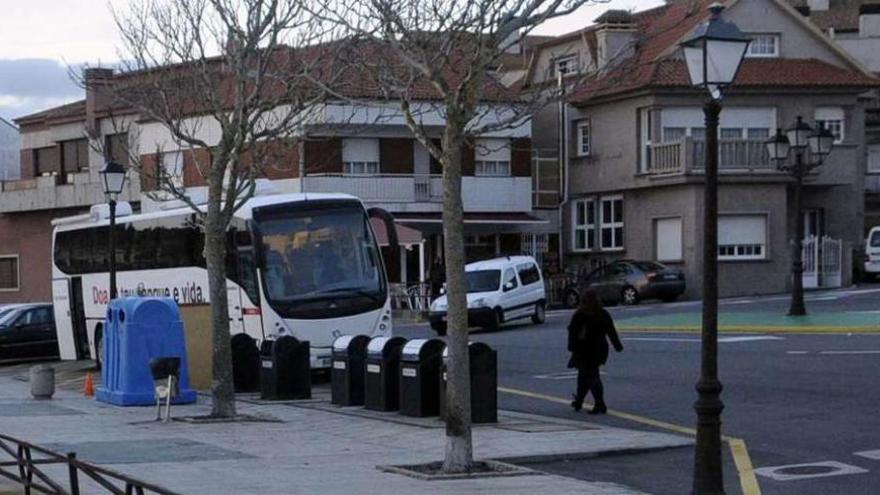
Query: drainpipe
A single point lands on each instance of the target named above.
(562, 129)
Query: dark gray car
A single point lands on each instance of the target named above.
(628, 282)
(28, 332)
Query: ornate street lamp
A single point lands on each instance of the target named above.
(112, 179)
(798, 139)
(713, 54)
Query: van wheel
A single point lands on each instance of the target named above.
(539, 315)
(629, 296)
(498, 319)
(99, 347)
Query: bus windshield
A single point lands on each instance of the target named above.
(321, 261)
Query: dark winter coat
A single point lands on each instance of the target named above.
(588, 336)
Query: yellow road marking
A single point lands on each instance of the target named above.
(747, 479)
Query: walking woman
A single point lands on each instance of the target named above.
(588, 333)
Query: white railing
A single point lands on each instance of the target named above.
(687, 154)
(478, 193)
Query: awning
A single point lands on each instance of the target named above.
(493, 218)
(406, 236)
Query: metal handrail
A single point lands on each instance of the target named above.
(28, 457)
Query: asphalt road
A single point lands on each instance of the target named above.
(794, 399)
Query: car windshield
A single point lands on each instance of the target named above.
(875, 239)
(649, 266)
(7, 316)
(483, 280)
(324, 257)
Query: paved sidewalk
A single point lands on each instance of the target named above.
(855, 322)
(309, 447)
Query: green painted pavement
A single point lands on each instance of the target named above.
(756, 321)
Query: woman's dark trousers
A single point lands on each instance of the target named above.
(588, 380)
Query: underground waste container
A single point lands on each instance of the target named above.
(347, 374)
(484, 383)
(381, 383)
(136, 331)
(245, 363)
(285, 370)
(420, 363)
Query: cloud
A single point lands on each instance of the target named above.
(32, 85)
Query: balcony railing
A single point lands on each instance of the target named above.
(479, 193)
(688, 155)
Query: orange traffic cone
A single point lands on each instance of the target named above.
(89, 387)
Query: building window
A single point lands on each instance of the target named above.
(172, 169)
(116, 148)
(9, 273)
(831, 118)
(758, 133)
(874, 158)
(492, 157)
(75, 155)
(46, 161)
(646, 119)
(360, 156)
(584, 225)
(565, 65)
(763, 45)
(731, 133)
(583, 138)
(667, 239)
(611, 227)
(672, 134)
(742, 237)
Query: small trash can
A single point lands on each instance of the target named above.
(285, 369)
(245, 363)
(381, 383)
(484, 383)
(347, 374)
(420, 363)
(42, 378)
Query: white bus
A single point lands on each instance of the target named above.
(306, 265)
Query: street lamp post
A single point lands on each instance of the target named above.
(112, 179)
(798, 139)
(713, 54)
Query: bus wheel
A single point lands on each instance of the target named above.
(99, 346)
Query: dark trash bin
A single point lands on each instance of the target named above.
(382, 383)
(347, 374)
(245, 363)
(484, 383)
(285, 370)
(420, 363)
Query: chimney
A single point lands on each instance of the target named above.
(869, 20)
(98, 82)
(615, 37)
(817, 5)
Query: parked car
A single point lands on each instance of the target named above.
(628, 282)
(872, 253)
(499, 290)
(27, 331)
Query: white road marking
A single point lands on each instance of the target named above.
(749, 338)
(797, 352)
(834, 469)
(849, 352)
(744, 301)
(828, 298)
(869, 454)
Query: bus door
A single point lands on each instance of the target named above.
(233, 296)
(70, 325)
(250, 296)
(78, 319)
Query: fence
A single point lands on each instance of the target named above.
(27, 469)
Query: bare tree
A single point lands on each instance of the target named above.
(439, 56)
(229, 83)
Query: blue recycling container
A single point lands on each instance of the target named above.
(136, 330)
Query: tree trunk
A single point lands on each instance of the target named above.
(222, 391)
(459, 448)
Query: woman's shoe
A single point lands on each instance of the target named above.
(599, 409)
(577, 406)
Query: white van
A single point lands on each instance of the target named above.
(499, 290)
(872, 252)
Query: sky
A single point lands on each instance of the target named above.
(41, 40)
